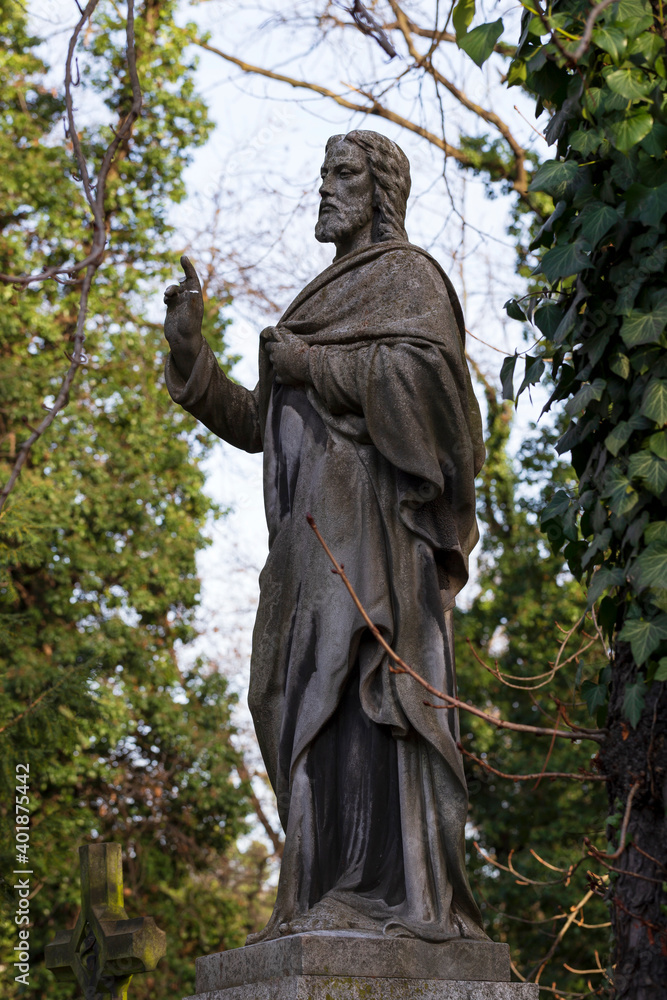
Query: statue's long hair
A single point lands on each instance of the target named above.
(390, 169)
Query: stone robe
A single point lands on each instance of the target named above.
(382, 449)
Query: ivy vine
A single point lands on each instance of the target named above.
(599, 301)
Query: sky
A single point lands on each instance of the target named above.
(251, 207)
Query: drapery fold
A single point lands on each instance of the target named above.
(381, 448)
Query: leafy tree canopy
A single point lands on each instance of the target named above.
(98, 581)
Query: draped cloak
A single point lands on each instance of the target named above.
(382, 447)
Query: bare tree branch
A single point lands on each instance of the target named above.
(372, 108)
(95, 197)
(561, 934)
(436, 35)
(520, 180)
(580, 776)
(566, 873)
(367, 24)
(600, 855)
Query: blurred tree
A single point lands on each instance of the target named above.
(98, 582)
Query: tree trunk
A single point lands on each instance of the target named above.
(637, 758)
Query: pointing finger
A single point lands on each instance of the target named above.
(191, 276)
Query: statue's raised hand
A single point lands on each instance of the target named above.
(182, 324)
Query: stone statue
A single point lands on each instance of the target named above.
(367, 420)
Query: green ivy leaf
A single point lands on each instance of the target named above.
(563, 261)
(633, 16)
(535, 26)
(596, 220)
(620, 492)
(598, 545)
(514, 310)
(602, 580)
(661, 672)
(585, 395)
(648, 45)
(591, 103)
(518, 73)
(644, 327)
(554, 177)
(462, 16)
(656, 532)
(656, 141)
(545, 234)
(507, 376)
(547, 318)
(652, 566)
(630, 130)
(618, 437)
(658, 444)
(611, 40)
(630, 83)
(566, 325)
(557, 506)
(644, 636)
(586, 141)
(653, 206)
(654, 403)
(633, 701)
(533, 372)
(607, 613)
(650, 469)
(620, 365)
(595, 695)
(479, 42)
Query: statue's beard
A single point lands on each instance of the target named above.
(338, 224)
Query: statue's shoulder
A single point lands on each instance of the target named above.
(409, 255)
(409, 264)
(405, 258)
(422, 278)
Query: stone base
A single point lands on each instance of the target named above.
(358, 988)
(340, 965)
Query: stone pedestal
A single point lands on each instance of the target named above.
(339, 965)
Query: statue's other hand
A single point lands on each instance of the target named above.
(182, 324)
(289, 357)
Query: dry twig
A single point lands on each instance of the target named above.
(600, 855)
(583, 776)
(596, 735)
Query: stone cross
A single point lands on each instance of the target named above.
(105, 949)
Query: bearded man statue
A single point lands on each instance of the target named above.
(367, 420)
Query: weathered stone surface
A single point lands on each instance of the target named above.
(362, 988)
(342, 954)
(105, 948)
(366, 417)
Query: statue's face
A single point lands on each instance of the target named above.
(347, 195)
